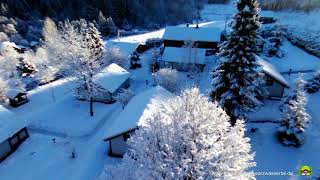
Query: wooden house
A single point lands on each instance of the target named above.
(13, 132)
(203, 37)
(275, 82)
(108, 83)
(17, 97)
(183, 59)
(133, 116)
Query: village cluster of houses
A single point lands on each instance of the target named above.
(112, 79)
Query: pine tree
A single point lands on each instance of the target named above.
(236, 80)
(135, 60)
(313, 84)
(182, 140)
(93, 40)
(273, 47)
(295, 118)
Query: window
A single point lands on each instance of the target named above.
(14, 140)
(23, 134)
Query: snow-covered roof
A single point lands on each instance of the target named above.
(11, 44)
(12, 93)
(184, 55)
(271, 71)
(137, 110)
(9, 124)
(206, 34)
(112, 77)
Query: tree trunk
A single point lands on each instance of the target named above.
(91, 106)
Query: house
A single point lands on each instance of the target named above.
(17, 97)
(108, 83)
(183, 59)
(133, 116)
(275, 82)
(13, 132)
(203, 37)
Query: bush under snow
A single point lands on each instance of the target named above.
(167, 78)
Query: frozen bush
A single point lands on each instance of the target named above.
(167, 78)
(115, 55)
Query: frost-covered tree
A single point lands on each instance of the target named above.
(186, 138)
(313, 85)
(106, 25)
(167, 78)
(135, 60)
(274, 42)
(236, 80)
(78, 52)
(295, 118)
(115, 55)
(124, 97)
(47, 69)
(92, 39)
(9, 59)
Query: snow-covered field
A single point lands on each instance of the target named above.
(57, 115)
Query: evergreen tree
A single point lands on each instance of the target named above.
(273, 47)
(135, 60)
(313, 84)
(182, 140)
(236, 80)
(295, 117)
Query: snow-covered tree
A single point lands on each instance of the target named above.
(47, 69)
(78, 51)
(186, 138)
(106, 25)
(236, 81)
(295, 118)
(26, 67)
(313, 85)
(167, 78)
(135, 60)
(124, 97)
(9, 59)
(115, 55)
(273, 45)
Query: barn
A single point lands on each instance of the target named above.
(13, 132)
(183, 59)
(137, 110)
(275, 82)
(203, 37)
(108, 82)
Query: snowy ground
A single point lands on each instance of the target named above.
(57, 115)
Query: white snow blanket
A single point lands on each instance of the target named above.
(205, 34)
(137, 111)
(184, 55)
(112, 77)
(9, 124)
